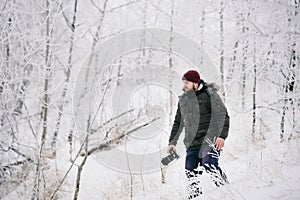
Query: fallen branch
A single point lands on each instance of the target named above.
(107, 144)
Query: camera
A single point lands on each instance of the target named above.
(173, 155)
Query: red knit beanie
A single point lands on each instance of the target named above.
(192, 75)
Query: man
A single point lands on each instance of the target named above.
(201, 111)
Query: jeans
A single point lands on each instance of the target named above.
(208, 158)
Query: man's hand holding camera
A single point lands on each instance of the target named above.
(170, 148)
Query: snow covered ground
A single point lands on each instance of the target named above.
(266, 170)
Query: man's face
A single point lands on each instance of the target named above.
(188, 85)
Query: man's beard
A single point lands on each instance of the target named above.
(183, 89)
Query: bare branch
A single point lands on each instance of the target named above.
(123, 5)
(97, 7)
(107, 144)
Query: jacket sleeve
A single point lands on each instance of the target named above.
(225, 129)
(177, 127)
(221, 116)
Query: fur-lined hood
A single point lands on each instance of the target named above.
(214, 86)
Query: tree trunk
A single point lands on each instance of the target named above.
(45, 104)
(222, 49)
(68, 73)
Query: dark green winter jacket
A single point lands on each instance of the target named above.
(203, 115)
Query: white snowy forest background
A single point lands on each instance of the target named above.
(254, 45)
